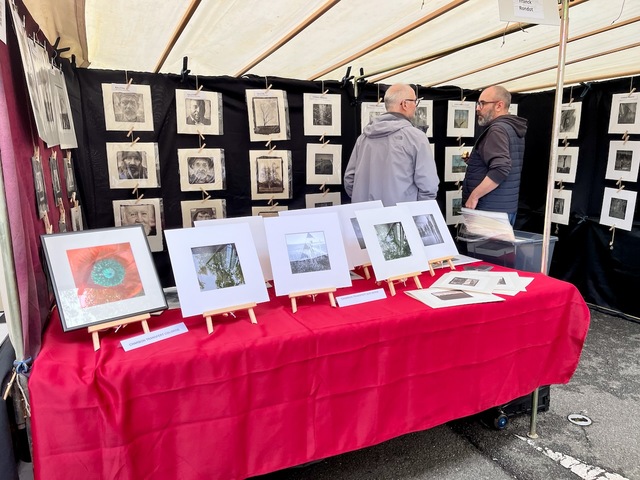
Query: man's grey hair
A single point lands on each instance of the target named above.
(502, 94)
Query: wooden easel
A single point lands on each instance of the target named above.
(365, 269)
(438, 261)
(312, 293)
(229, 311)
(117, 323)
(403, 278)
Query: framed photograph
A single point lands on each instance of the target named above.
(146, 212)
(201, 169)
(62, 107)
(454, 166)
(40, 188)
(270, 174)
(570, 114)
(132, 166)
(566, 164)
(324, 164)
(561, 206)
(268, 115)
(76, 218)
(625, 115)
(461, 119)
(369, 111)
(199, 210)
(322, 114)
(102, 275)
(624, 159)
(618, 208)
(306, 253)
(434, 233)
(215, 266)
(199, 112)
(55, 179)
(454, 207)
(316, 200)
(393, 242)
(268, 210)
(513, 109)
(70, 176)
(127, 106)
(423, 119)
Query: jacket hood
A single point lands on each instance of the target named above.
(519, 124)
(386, 124)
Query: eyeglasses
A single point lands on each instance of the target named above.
(481, 103)
(417, 100)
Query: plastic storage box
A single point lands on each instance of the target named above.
(525, 253)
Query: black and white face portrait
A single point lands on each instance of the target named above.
(128, 107)
(198, 111)
(132, 164)
(143, 214)
(201, 170)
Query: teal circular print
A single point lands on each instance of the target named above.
(107, 273)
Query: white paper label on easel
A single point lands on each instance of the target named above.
(153, 337)
(362, 297)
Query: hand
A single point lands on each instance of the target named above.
(465, 157)
(471, 203)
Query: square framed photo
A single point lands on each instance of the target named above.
(201, 169)
(369, 111)
(393, 242)
(40, 188)
(624, 159)
(618, 208)
(570, 114)
(461, 119)
(267, 211)
(561, 206)
(132, 166)
(127, 106)
(322, 114)
(566, 164)
(101, 275)
(199, 112)
(625, 114)
(324, 164)
(316, 200)
(200, 210)
(454, 166)
(215, 267)
(423, 119)
(306, 253)
(270, 174)
(454, 207)
(268, 115)
(146, 212)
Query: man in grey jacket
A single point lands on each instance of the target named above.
(392, 160)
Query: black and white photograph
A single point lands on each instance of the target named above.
(270, 174)
(369, 111)
(40, 187)
(454, 207)
(69, 176)
(454, 165)
(318, 200)
(322, 114)
(570, 114)
(461, 119)
(324, 164)
(132, 166)
(428, 230)
(201, 169)
(451, 295)
(200, 210)
(307, 252)
(624, 161)
(469, 281)
(217, 266)
(146, 212)
(392, 240)
(625, 117)
(268, 112)
(199, 112)
(566, 164)
(268, 211)
(127, 106)
(561, 206)
(62, 108)
(618, 208)
(423, 119)
(441, 298)
(76, 218)
(55, 179)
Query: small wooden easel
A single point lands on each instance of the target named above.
(312, 293)
(117, 323)
(365, 269)
(440, 261)
(403, 278)
(229, 311)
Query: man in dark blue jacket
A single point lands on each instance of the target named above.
(492, 180)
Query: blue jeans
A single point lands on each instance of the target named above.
(512, 218)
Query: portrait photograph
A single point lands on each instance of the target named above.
(561, 206)
(317, 200)
(618, 208)
(453, 212)
(423, 118)
(127, 107)
(69, 176)
(268, 112)
(461, 119)
(369, 111)
(625, 116)
(624, 160)
(566, 164)
(324, 164)
(201, 169)
(270, 174)
(132, 166)
(146, 212)
(199, 210)
(454, 166)
(570, 120)
(55, 179)
(199, 112)
(40, 188)
(322, 114)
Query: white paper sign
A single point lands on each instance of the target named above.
(530, 11)
(361, 297)
(153, 337)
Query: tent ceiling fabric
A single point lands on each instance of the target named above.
(454, 42)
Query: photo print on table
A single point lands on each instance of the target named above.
(461, 119)
(324, 164)
(570, 114)
(201, 169)
(322, 114)
(132, 166)
(270, 174)
(566, 164)
(454, 165)
(147, 212)
(127, 106)
(625, 114)
(268, 112)
(561, 206)
(618, 208)
(198, 210)
(624, 159)
(199, 112)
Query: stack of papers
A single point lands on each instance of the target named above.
(482, 225)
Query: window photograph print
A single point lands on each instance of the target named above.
(201, 169)
(322, 114)
(199, 112)
(132, 166)
(146, 212)
(423, 119)
(268, 112)
(570, 120)
(624, 159)
(101, 275)
(618, 208)
(197, 210)
(625, 115)
(461, 119)
(270, 174)
(561, 206)
(127, 107)
(324, 164)
(454, 165)
(454, 207)
(566, 164)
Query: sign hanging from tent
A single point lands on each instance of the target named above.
(544, 12)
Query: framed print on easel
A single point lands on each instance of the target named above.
(461, 119)
(127, 106)
(625, 114)
(322, 114)
(268, 112)
(199, 112)
(624, 159)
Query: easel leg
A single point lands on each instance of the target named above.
(392, 288)
(294, 305)
(252, 316)
(332, 299)
(96, 341)
(209, 324)
(145, 326)
(417, 280)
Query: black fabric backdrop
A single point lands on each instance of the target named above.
(582, 254)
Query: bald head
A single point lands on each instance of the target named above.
(394, 96)
(499, 93)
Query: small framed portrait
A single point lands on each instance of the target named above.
(566, 164)
(461, 119)
(267, 211)
(454, 207)
(270, 174)
(55, 179)
(201, 169)
(369, 111)
(454, 165)
(70, 176)
(317, 200)
(268, 115)
(132, 166)
(146, 212)
(40, 188)
(570, 114)
(324, 164)
(561, 206)
(624, 159)
(199, 210)
(423, 118)
(625, 114)
(618, 208)
(199, 112)
(102, 275)
(322, 114)
(127, 107)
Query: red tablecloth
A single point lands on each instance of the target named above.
(250, 399)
